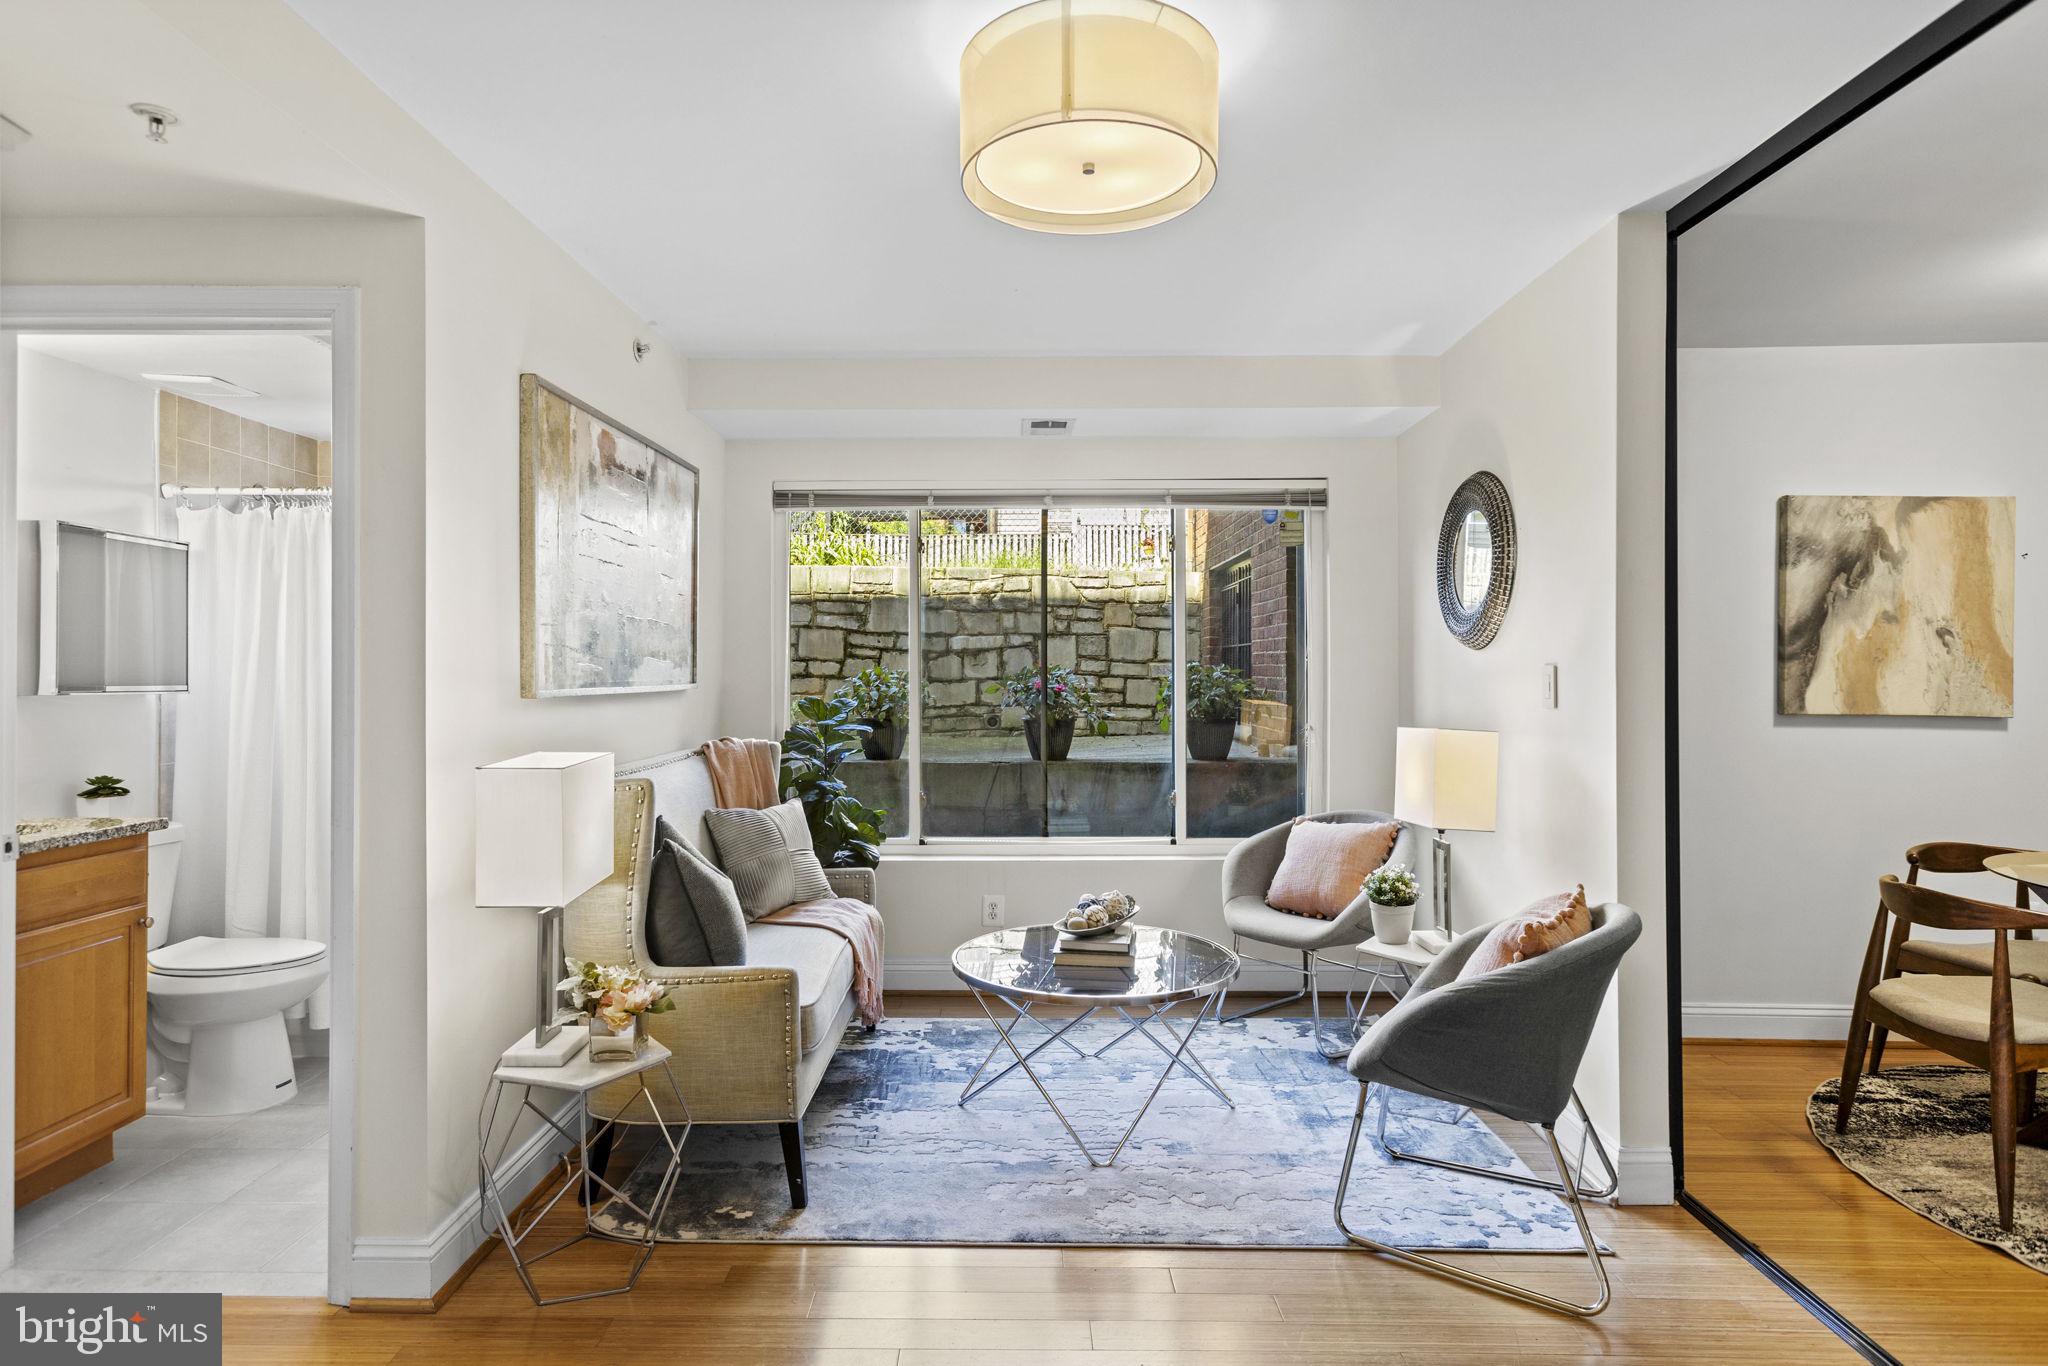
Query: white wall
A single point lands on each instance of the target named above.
(931, 903)
(457, 302)
(1787, 822)
(88, 455)
(1548, 393)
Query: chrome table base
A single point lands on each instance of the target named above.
(1180, 1056)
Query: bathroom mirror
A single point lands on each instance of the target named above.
(111, 611)
(1475, 560)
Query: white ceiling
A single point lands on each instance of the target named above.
(69, 71)
(778, 179)
(290, 372)
(1924, 221)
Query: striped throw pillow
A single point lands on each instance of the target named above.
(768, 856)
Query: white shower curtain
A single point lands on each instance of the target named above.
(254, 735)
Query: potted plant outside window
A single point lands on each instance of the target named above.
(1391, 889)
(1067, 701)
(880, 700)
(1216, 694)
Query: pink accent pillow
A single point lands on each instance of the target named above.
(1326, 864)
(1534, 930)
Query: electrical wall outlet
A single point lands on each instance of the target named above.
(992, 910)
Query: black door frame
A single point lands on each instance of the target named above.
(1939, 40)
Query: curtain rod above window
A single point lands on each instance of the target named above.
(1308, 493)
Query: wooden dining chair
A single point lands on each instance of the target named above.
(1947, 957)
(1992, 1021)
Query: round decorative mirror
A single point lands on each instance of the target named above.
(1475, 559)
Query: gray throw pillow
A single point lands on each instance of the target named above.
(768, 856)
(693, 916)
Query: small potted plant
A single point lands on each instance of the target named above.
(1391, 889)
(104, 795)
(880, 699)
(1216, 694)
(1067, 701)
(614, 998)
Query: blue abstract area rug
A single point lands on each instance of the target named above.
(892, 1157)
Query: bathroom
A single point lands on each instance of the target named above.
(173, 790)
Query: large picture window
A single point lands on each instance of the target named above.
(1059, 672)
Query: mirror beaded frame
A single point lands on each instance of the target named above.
(1485, 494)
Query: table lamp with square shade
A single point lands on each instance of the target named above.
(1446, 780)
(544, 838)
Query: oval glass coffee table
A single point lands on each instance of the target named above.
(1019, 969)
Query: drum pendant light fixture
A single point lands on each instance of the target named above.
(1086, 116)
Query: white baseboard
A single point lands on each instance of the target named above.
(1646, 1177)
(936, 974)
(1828, 1023)
(1645, 1174)
(417, 1268)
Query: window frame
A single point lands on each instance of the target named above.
(1312, 625)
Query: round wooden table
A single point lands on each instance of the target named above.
(2030, 868)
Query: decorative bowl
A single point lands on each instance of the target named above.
(1092, 931)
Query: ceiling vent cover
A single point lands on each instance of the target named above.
(1048, 426)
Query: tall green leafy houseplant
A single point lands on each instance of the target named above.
(845, 832)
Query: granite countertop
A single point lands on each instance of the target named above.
(62, 832)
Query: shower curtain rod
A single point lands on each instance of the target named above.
(252, 491)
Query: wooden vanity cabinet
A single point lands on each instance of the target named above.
(81, 954)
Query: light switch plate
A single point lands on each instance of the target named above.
(1550, 685)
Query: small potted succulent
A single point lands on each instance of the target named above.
(1067, 701)
(1391, 889)
(614, 998)
(104, 795)
(1216, 694)
(880, 699)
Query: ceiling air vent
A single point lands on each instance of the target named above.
(1048, 426)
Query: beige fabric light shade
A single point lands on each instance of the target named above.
(1446, 779)
(1085, 116)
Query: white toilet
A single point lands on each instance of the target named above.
(217, 1036)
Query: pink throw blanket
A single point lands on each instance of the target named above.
(742, 773)
(860, 925)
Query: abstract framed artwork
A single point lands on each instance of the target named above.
(608, 553)
(1893, 606)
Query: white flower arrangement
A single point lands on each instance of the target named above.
(1391, 885)
(613, 994)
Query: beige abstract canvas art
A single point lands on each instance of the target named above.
(608, 554)
(1895, 606)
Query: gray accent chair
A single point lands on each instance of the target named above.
(751, 1043)
(1509, 1041)
(1247, 876)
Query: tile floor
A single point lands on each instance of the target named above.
(235, 1205)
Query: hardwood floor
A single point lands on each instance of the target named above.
(1925, 1293)
(1680, 1296)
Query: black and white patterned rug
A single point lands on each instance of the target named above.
(892, 1157)
(1922, 1135)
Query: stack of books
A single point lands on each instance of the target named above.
(1108, 955)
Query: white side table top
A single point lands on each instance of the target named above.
(582, 1074)
(1410, 954)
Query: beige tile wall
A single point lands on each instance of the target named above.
(200, 444)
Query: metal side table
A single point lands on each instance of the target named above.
(580, 1076)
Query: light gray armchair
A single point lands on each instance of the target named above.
(1509, 1041)
(1248, 875)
